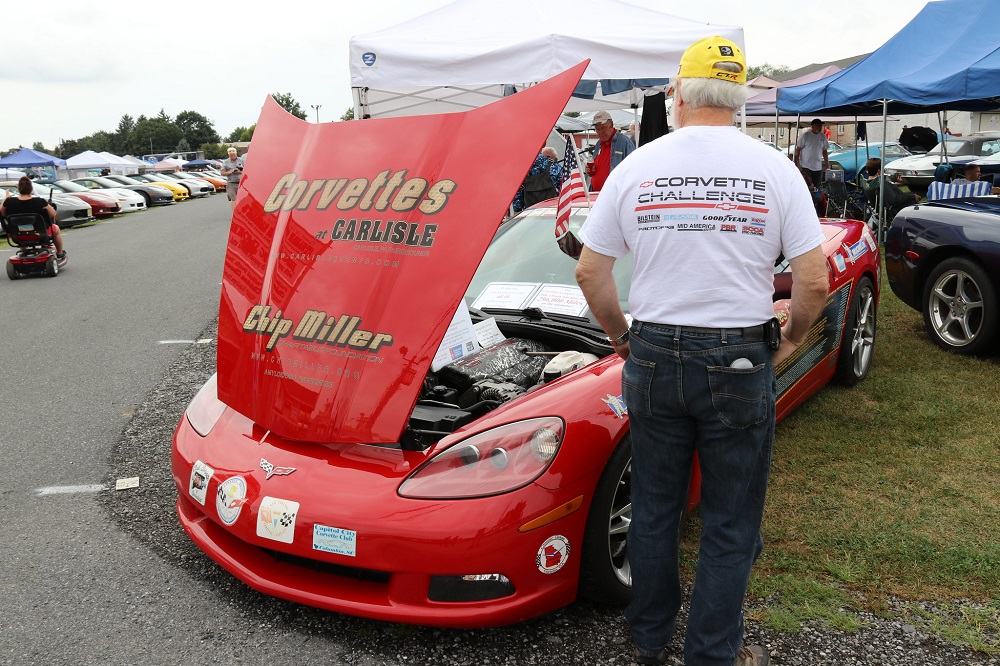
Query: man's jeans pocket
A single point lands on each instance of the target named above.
(637, 378)
(738, 394)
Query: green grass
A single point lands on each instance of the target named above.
(889, 490)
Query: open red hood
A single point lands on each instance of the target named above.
(351, 246)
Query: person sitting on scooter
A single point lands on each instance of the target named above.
(24, 202)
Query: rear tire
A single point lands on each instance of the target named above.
(858, 341)
(960, 307)
(12, 273)
(51, 267)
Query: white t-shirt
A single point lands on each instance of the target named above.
(705, 211)
(812, 146)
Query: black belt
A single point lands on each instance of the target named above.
(749, 333)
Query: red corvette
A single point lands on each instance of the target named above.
(374, 443)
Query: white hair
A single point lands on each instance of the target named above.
(715, 93)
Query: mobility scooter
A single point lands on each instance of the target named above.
(36, 250)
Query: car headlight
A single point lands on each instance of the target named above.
(206, 409)
(493, 462)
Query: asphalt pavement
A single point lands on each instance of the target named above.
(100, 363)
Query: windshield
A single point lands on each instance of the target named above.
(953, 148)
(70, 186)
(524, 267)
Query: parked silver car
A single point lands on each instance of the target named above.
(70, 210)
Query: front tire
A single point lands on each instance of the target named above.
(605, 572)
(960, 307)
(858, 342)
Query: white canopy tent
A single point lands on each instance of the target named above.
(119, 165)
(82, 164)
(473, 52)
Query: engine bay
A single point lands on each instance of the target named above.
(466, 389)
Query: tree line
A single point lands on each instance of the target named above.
(187, 131)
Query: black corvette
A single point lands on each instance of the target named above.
(943, 259)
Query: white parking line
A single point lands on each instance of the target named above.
(200, 341)
(64, 490)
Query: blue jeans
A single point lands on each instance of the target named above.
(684, 398)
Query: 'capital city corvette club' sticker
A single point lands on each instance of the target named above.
(552, 554)
(201, 474)
(230, 499)
(276, 519)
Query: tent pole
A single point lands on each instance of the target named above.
(776, 119)
(881, 181)
(944, 139)
(356, 94)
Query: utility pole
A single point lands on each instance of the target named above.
(317, 107)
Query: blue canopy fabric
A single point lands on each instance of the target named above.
(946, 58)
(26, 157)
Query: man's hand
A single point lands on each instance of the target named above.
(786, 347)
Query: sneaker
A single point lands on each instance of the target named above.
(752, 655)
(643, 660)
(61, 255)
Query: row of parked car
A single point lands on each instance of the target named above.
(82, 199)
(916, 169)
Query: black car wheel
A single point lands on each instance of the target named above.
(605, 571)
(960, 307)
(858, 342)
(149, 199)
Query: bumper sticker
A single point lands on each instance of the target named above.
(201, 474)
(552, 554)
(335, 540)
(230, 499)
(276, 519)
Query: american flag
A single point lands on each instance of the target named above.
(573, 188)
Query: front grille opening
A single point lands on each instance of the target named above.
(480, 587)
(356, 573)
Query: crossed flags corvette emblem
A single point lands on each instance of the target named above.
(272, 470)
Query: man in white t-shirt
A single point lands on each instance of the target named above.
(811, 152)
(705, 211)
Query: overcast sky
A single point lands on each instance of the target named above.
(75, 68)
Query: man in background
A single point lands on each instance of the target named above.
(232, 169)
(612, 148)
(811, 152)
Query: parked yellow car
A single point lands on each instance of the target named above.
(180, 192)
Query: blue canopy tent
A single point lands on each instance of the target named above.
(26, 157)
(947, 58)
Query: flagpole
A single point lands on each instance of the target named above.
(586, 190)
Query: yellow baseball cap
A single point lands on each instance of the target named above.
(700, 59)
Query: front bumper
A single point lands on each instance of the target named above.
(405, 551)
